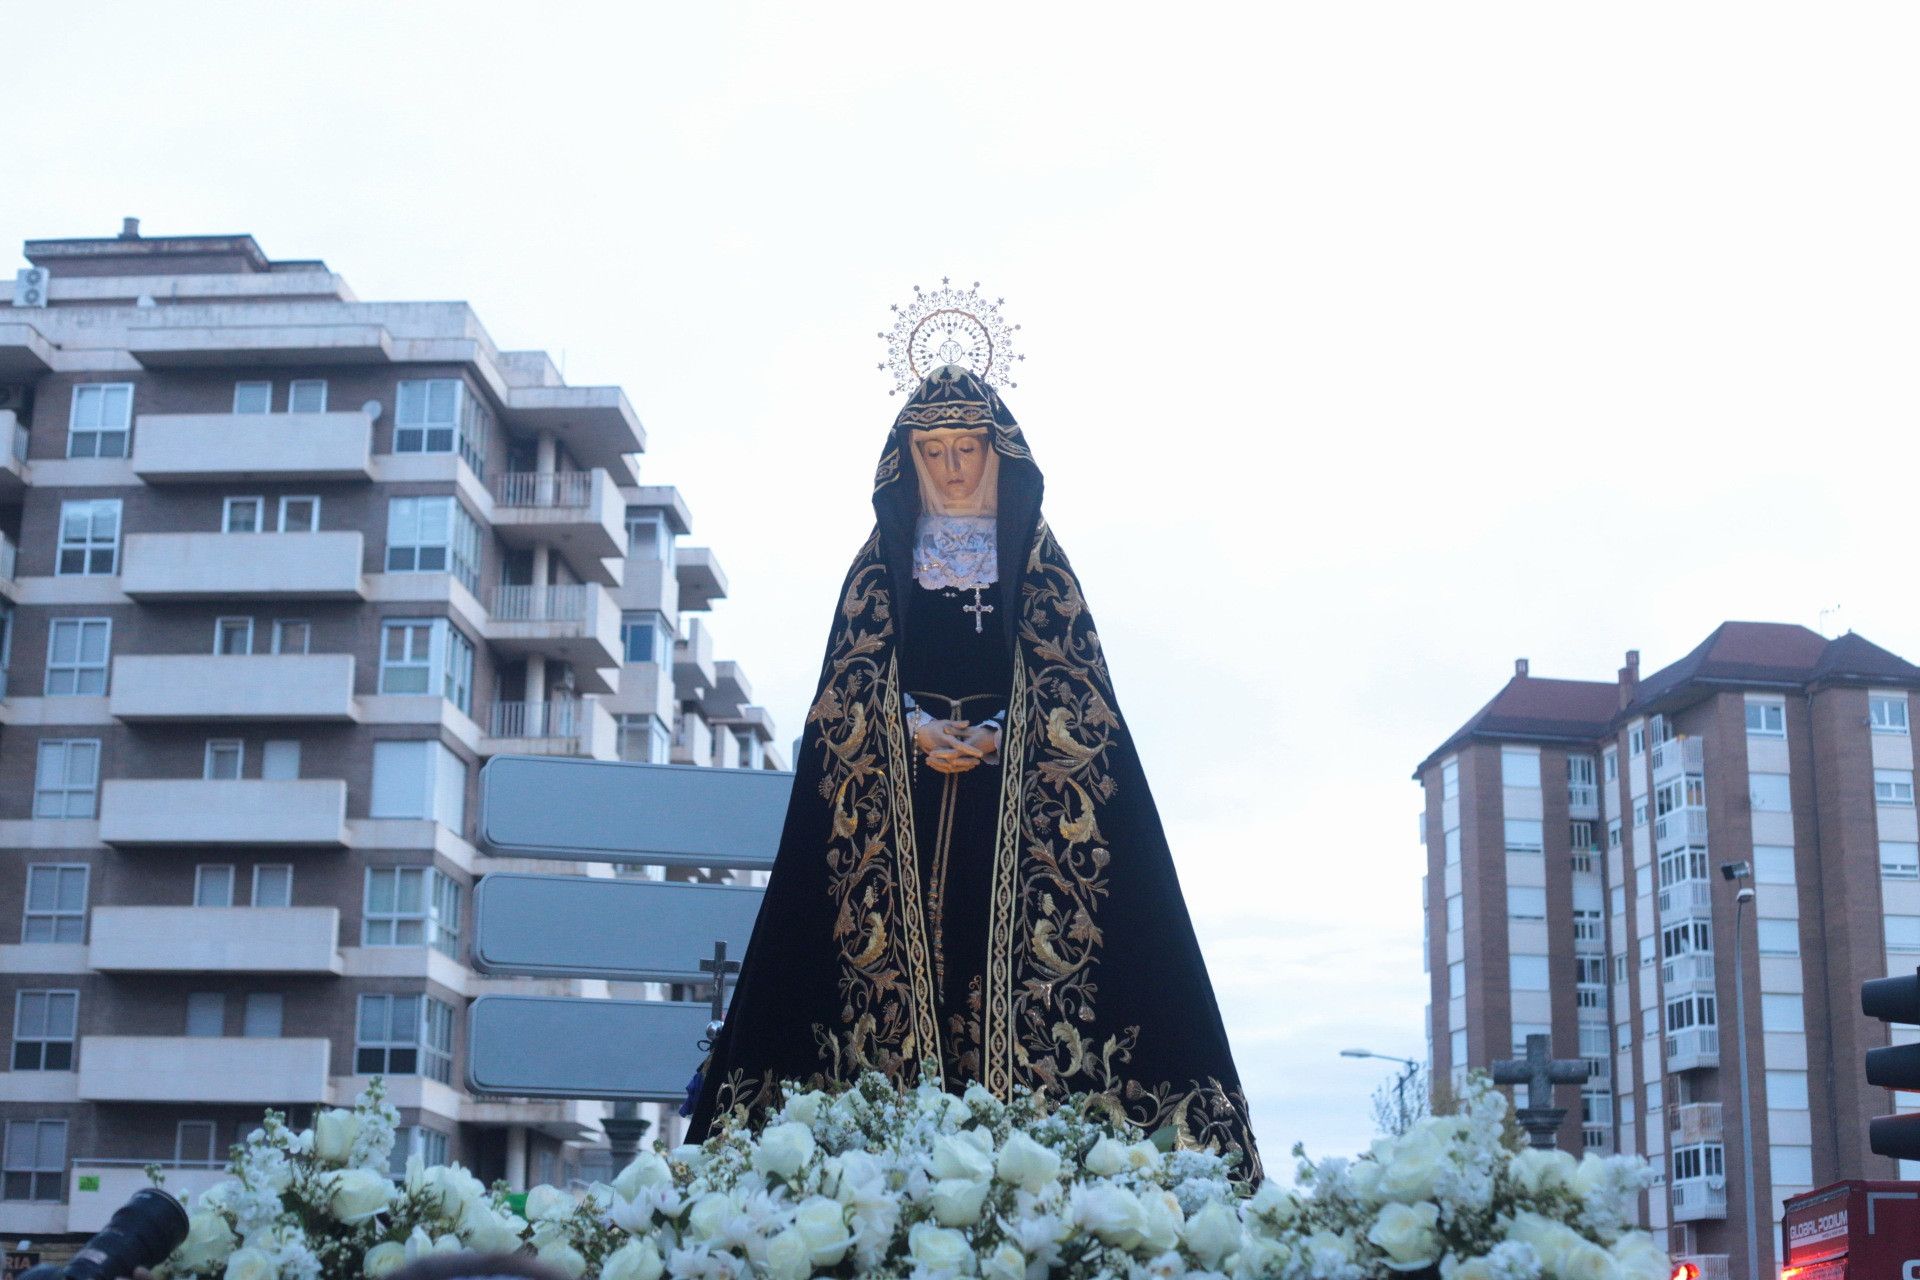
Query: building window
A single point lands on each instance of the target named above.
(1893, 786)
(644, 638)
(641, 738)
(1887, 712)
(1521, 1030)
(419, 779)
(1902, 932)
(1700, 1160)
(438, 415)
(1613, 834)
(406, 656)
(416, 1140)
(56, 907)
(1636, 741)
(35, 1163)
(1586, 927)
(1450, 843)
(1610, 764)
(1767, 719)
(66, 778)
(457, 680)
(253, 397)
(206, 1014)
(1786, 1091)
(1790, 1166)
(1900, 859)
(243, 515)
(1778, 937)
(1782, 1013)
(1772, 864)
(89, 538)
(433, 535)
(225, 759)
(1454, 913)
(233, 637)
(43, 1030)
(263, 1015)
(1457, 978)
(1580, 837)
(280, 759)
(411, 907)
(1691, 1011)
(77, 651)
(194, 1143)
(299, 514)
(307, 395)
(99, 419)
(1524, 903)
(1450, 780)
(292, 635)
(647, 536)
(404, 1036)
(273, 884)
(1527, 973)
(213, 885)
(1525, 835)
(1639, 813)
(1519, 768)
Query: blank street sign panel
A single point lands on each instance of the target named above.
(633, 930)
(659, 814)
(559, 1047)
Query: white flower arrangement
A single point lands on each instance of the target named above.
(873, 1180)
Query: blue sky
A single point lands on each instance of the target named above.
(1370, 346)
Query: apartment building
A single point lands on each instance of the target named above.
(279, 571)
(1575, 837)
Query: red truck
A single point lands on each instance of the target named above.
(1853, 1231)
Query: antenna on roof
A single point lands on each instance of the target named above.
(1830, 620)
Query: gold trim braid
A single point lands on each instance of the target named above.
(998, 1040)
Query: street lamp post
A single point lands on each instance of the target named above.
(1737, 871)
(1399, 1084)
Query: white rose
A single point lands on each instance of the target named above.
(783, 1149)
(548, 1202)
(1405, 1233)
(251, 1264)
(1110, 1212)
(209, 1242)
(1471, 1269)
(562, 1256)
(822, 1223)
(939, 1248)
(1364, 1180)
(804, 1108)
(634, 1260)
(387, 1256)
(1213, 1233)
(1105, 1158)
(1026, 1164)
(1411, 1167)
(1327, 1252)
(1640, 1258)
(354, 1195)
(334, 1131)
(1548, 1238)
(1160, 1221)
(709, 1215)
(1585, 1260)
(1143, 1155)
(788, 1257)
(447, 1186)
(485, 1231)
(1006, 1262)
(860, 1174)
(1538, 1172)
(1275, 1203)
(978, 1096)
(957, 1201)
(647, 1170)
(959, 1156)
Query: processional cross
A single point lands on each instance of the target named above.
(978, 610)
(1539, 1072)
(720, 967)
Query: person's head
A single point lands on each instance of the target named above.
(958, 471)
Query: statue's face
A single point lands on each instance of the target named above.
(955, 461)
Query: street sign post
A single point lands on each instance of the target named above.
(621, 930)
(562, 1047)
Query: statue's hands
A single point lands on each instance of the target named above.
(948, 745)
(983, 738)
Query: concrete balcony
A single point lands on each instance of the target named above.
(243, 566)
(563, 727)
(1687, 898)
(265, 940)
(99, 1187)
(24, 353)
(1698, 1199)
(14, 472)
(278, 687)
(693, 670)
(253, 346)
(701, 580)
(576, 623)
(1680, 828)
(1679, 756)
(203, 1069)
(578, 514)
(1683, 974)
(279, 813)
(1583, 800)
(208, 448)
(730, 693)
(1695, 1122)
(596, 424)
(1694, 1049)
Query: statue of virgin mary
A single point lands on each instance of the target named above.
(972, 873)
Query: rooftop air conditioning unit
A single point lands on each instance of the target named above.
(30, 287)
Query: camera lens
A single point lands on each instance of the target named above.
(141, 1233)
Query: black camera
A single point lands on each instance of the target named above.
(141, 1233)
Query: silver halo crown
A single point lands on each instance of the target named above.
(949, 325)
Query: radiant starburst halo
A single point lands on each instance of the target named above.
(949, 325)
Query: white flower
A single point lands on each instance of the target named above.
(1213, 1233)
(486, 1231)
(822, 1223)
(448, 1187)
(1160, 1220)
(1026, 1164)
(1106, 1158)
(783, 1149)
(859, 1172)
(788, 1257)
(959, 1156)
(1412, 1165)
(957, 1201)
(389, 1255)
(1405, 1233)
(250, 1264)
(1143, 1155)
(1640, 1258)
(1364, 1180)
(548, 1202)
(1585, 1260)
(334, 1131)
(1549, 1239)
(804, 1108)
(939, 1248)
(1112, 1213)
(209, 1241)
(354, 1195)
(563, 1256)
(1538, 1172)
(634, 1260)
(979, 1097)
(709, 1215)
(1006, 1262)
(647, 1170)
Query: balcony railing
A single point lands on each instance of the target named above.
(1687, 898)
(543, 489)
(1696, 1122)
(1693, 1048)
(1688, 970)
(1677, 755)
(1582, 795)
(1697, 1198)
(558, 718)
(564, 603)
(1682, 826)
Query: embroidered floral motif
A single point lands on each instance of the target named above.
(956, 551)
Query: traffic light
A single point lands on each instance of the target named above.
(1895, 1000)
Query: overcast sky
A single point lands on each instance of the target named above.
(1370, 345)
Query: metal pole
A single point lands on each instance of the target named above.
(1746, 1094)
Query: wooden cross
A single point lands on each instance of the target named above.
(1539, 1072)
(977, 609)
(720, 967)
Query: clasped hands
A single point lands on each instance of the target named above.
(955, 746)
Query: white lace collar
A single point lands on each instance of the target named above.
(956, 551)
